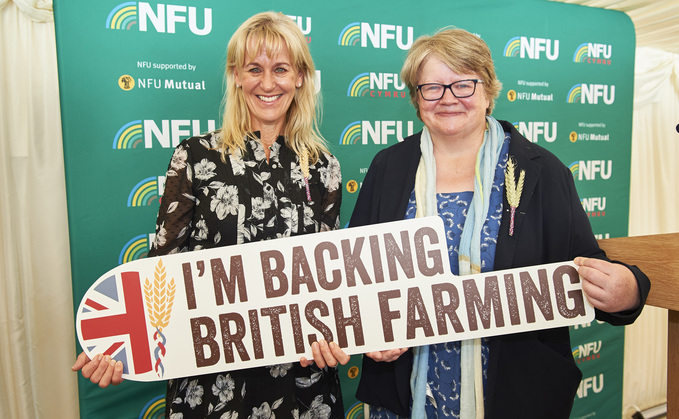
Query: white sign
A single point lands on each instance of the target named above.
(367, 288)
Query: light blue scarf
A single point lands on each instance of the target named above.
(471, 393)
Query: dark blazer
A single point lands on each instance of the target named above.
(532, 374)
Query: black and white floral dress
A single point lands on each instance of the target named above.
(209, 203)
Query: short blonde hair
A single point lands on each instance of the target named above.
(461, 51)
(272, 32)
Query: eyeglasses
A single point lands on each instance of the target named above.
(460, 89)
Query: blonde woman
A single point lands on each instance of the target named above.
(265, 174)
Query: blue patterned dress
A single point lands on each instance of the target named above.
(443, 377)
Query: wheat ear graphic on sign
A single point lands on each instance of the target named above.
(513, 190)
(159, 296)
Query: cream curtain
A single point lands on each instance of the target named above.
(37, 345)
(653, 210)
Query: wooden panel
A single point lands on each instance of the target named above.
(673, 364)
(658, 257)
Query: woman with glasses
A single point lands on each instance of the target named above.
(506, 203)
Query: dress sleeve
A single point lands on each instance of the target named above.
(175, 214)
(332, 196)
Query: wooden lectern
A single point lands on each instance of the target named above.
(655, 256)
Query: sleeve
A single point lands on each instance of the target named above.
(175, 214)
(365, 209)
(332, 196)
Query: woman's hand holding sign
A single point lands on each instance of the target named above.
(101, 370)
(386, 356)
(610, 287)
(325, 354)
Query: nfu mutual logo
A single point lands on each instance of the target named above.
(377, 35)
(164, 18)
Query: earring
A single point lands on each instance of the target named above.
(299, 84)
(237, 86)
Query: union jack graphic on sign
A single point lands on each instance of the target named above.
(114, 322)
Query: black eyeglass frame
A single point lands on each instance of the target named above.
(449, 87)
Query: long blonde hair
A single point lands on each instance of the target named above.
(272, 32)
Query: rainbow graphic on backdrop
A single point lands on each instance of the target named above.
(123, 16)
(154, 409)
(574, 168)
(355, 412)
(350, 35)
(513, 47)
(143, 193)
(136, 248)
(351, 134)
(574, 94)
(581, 53)
(129, 136)
(359, 85)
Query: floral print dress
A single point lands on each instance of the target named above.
(209, 202)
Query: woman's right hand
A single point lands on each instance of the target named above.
(386, 356)
(101, 370)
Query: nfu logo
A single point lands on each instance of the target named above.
(146, 192)
(536, 130)
(532, 48)
(303, 24)
(163, 19)
(591, 169)
(168, 134)
(136, 248)
(378, 35)
(378, 132)
(590, 93)
(595, 384)
(593, 53)
(377, 85)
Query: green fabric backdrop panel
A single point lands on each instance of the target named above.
(137, 77)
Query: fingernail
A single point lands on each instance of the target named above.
(113, 363)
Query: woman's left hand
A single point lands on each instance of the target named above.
(610, 287)
(326, 354)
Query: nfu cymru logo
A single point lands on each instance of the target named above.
(378, 35)
(165, 18)
(385, 85)
(593, 54)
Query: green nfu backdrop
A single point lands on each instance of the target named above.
(138, 77)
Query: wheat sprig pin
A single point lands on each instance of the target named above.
(513, 190)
